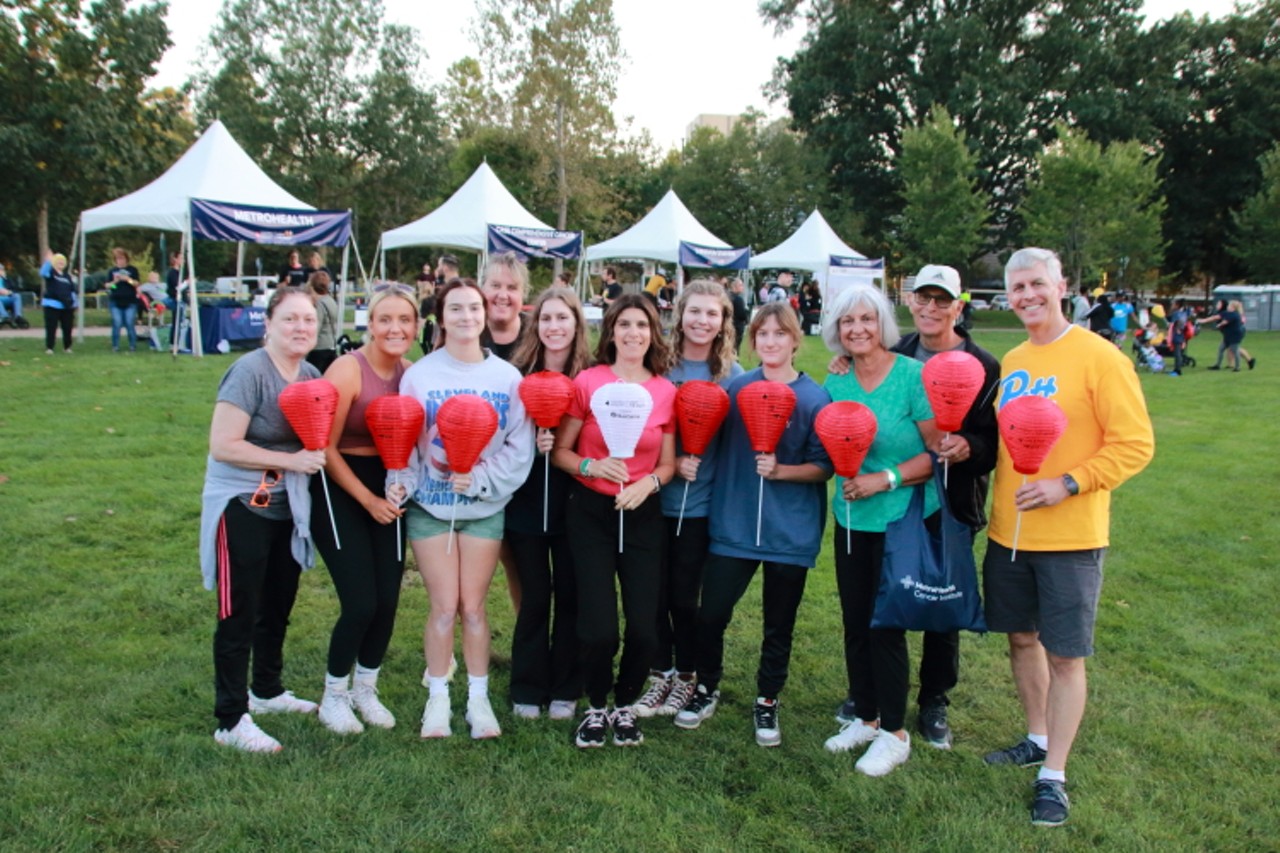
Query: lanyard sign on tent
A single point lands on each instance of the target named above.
(535, 242)
(280, 226)
(694, 255)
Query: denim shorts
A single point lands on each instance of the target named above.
(423, 525)
(1054, 593)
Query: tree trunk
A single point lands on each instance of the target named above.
(42, 227)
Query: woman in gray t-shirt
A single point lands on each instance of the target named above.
(254, 533)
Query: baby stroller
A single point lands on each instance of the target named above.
(1146, 348)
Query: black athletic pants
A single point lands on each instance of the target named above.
(263, 580)
(597, 563)
(366, 571)
(53, 318)
(681, 584)
(544, 645)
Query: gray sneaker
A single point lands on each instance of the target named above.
(1024, 753)
(1050, 806)
(702, 705)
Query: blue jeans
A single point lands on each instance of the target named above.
(125, 317)
(10, 304)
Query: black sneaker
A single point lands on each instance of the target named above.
(626, 728)
(702, 705)
(1050, 807)
(1251, 362)
(931, 722)
(847, 712)
(593, 729)
(766, 719)
(1024, 753)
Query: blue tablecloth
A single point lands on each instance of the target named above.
(227, 327)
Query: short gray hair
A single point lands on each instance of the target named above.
(860, 296)
(1025, 259)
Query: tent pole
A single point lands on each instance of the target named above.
(193, 323)
(78, 239)
(342, 287)
(240, 247)
(382, 260)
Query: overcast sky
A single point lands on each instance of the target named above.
(684, 57)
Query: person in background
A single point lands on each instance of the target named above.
(59, 303)
(1122, 312)
(122, 284)
(255, 517)
(427, 275)
(10, 304)
(1100, 315)
(367, 569)
(315, 264)
(1179, 324)
(781, 289)
(702, 341)
(741, 313)
(293, 273)
(789, 536)
(544, 650)
(611, 289)
(632, 350)
(810, 307)
(447, 269)
(564, 279)
(327, 314)
(1080, 308)
(456, 520)
(505, 283)
(1229, 320)
(1045, 597)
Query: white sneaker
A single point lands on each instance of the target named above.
(247, 736)
(526, 712)
(285, 703)
(648, 704)
(886, 752)
(480, 715)
(851, 735)
(364, 695)
(681, 693)
(335, 711)
(562, 709)
(435, 717)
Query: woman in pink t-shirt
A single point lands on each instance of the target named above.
(631, 349)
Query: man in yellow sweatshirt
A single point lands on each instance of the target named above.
(1046, 599)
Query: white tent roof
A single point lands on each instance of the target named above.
(214, 168)
(657, 237)
(809, 248)
(463, 221)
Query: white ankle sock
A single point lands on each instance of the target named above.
(334, 681)
(1041, 741)
(477, 685)
(1054, 775)
(437, 685)
(365, 675)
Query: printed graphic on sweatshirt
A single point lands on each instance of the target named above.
(1019, 384)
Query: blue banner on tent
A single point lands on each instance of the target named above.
(856, 263)
(693, 255)
(535, 242)
(217, 220)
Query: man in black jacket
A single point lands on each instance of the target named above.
(741, 314)
(971, 455)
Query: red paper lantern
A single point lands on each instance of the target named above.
(309, 408)
(700, 409)
(546, 396)
(395, 422)
(765, 407)
(466, 422)
(1029, 427)
(846, 429)
(952, 381)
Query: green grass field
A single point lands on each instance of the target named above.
(105, 650)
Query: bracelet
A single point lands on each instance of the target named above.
(584, 467)
(892, 474)
(657, 483)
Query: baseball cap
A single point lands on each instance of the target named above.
(936, 275)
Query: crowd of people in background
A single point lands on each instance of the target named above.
(651, 554)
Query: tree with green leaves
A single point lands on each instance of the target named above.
(944, 210)
(1099, 208)
(1257, 225)
(77, 123)
(327, 97)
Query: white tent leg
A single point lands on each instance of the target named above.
(342, 287)
(78, 239)
(197, 344)
(240, 247)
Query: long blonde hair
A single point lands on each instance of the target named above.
(530, 355)
(723, 354)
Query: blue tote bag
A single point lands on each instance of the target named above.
(928, 581)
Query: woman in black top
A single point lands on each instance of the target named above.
(122, 281)
(59, 303)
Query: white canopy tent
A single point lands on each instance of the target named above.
(215, 167)
(463, 221)
(809, 248)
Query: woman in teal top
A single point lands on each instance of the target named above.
(861, 326)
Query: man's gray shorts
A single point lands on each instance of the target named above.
(1054, 593)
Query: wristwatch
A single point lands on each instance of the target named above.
(1073, 487)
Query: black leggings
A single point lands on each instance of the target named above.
(597, 562)
(262, 577)
(53, 318)
(544, 648)
(366, 571)
(678, 596)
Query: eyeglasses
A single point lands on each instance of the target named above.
(262, 496)
(922, 299)
(403, 289)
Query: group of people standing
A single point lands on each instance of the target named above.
(665, 535)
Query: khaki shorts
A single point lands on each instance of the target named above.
(423, 525)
